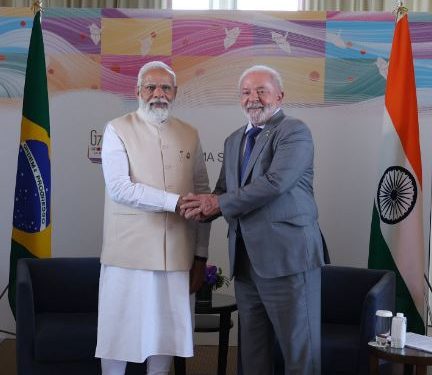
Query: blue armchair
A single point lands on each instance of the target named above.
(56, 317)
(349, 299)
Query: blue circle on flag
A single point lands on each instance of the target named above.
(396, 195)
(33, 188)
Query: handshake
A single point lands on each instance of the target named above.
(200, 207)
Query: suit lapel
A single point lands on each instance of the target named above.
(236, 150)
(261, 141)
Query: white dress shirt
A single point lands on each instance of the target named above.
(120, 188)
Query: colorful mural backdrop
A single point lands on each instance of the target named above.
(324, 58)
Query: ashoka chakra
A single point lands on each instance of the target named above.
(397, 195)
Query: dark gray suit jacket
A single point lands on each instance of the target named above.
(274, 204)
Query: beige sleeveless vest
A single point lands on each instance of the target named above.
(162, 157)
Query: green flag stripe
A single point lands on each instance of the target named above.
(35, 105)
(380, 258)
(17, 252)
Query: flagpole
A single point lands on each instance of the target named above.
(1, 296)
(429, 316)
(37, 6)
(8, 332)
(400, 11)
(4, 291)
(428, 309)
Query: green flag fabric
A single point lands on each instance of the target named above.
(31, 232)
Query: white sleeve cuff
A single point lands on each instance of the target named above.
(171, 202)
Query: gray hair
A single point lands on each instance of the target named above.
(277, 79)
(154, 65)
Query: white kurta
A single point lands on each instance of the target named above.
(141, 313)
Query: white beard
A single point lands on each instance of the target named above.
(259, 117)
(157, 115)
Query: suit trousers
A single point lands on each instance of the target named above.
(285, 308)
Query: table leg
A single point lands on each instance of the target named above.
(408, 369)
(225, 321)
(373, 365)
(421, 370)
(179, 366)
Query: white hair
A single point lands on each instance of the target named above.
(154, 65)
(266, 69)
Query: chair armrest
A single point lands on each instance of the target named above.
(25, 318)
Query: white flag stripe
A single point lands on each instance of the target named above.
(404, 239)
(405, 242)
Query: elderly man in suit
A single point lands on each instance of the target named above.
(265, 192)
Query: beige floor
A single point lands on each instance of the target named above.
(7, 357)
(204, 362)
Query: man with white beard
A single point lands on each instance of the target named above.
(152, 258)
(265, 193)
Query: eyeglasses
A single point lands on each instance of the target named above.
(260, 93)
(150, 88)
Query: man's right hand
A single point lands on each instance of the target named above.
(179, 203)
(182, 200)
(200, 206)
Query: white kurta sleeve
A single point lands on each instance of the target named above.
(120, 188)
(201, 185)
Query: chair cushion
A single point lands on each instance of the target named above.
(340, 345)
(65, 336)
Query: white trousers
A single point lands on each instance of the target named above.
(156, 365)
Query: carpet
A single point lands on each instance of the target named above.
(203, 363)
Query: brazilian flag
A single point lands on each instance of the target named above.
(31, 233)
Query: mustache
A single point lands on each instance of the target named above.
(254, 106)
(158, 101)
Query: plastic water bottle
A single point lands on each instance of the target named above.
(398, 331)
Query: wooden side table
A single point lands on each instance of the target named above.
(411, 358)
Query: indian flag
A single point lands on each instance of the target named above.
(31, 232)
(396, 239)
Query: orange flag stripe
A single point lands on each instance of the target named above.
(401, 98)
